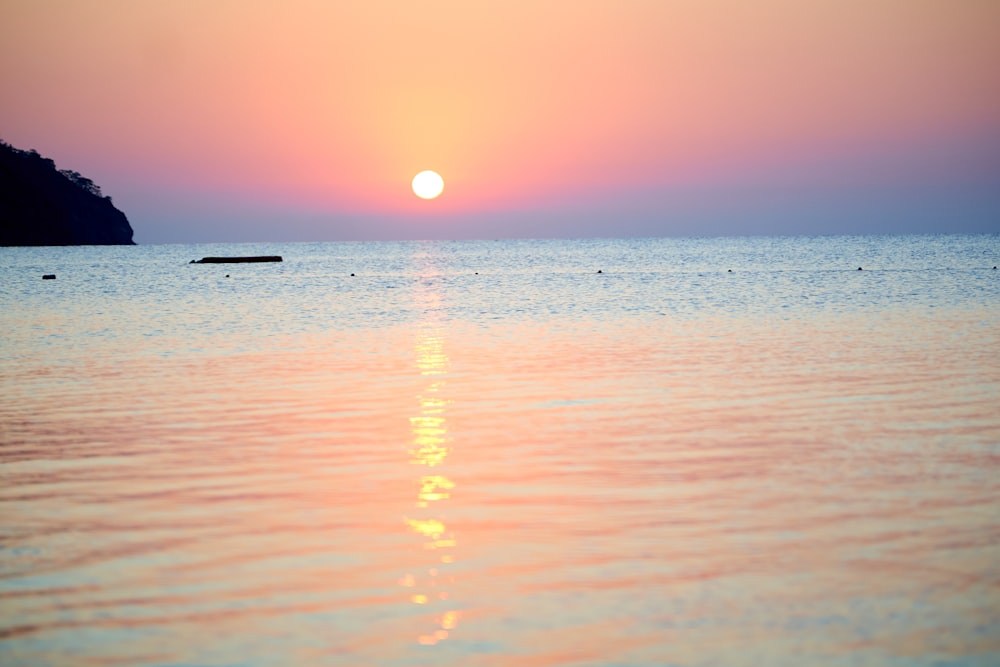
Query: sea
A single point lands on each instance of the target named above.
(577, 453)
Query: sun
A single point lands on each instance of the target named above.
(428, 184)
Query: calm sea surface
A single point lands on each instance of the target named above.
(578, 453)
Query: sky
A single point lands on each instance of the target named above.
(305, 120)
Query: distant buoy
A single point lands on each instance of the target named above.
(52, 276)
(352, 275)
(227, 275)
(859, 268)
(730, 270)
(599, 271)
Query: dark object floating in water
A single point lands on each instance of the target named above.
(599, 271)
(236, 260)
(859, 268)
(730, 270)
(52, 276)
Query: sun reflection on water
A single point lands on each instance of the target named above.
(429, 450)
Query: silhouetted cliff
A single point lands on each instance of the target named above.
(40, 205)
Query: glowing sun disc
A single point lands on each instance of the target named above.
(428, 184)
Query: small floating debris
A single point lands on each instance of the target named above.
(52, 276)
(599, 271)
(859, 268)
(236, 260)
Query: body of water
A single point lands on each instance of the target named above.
(593, 453)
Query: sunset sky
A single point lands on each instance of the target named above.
(265, 120)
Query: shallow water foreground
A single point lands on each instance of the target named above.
(488, 454)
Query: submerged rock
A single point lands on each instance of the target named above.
(236, 260)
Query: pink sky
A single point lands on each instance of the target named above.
(306, 120)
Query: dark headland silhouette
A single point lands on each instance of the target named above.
(42, 205)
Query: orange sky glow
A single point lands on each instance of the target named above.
(658, 109)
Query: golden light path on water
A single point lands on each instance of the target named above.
(487, 454)
(428, 452)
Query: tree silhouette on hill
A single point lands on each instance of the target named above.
(43, 205)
